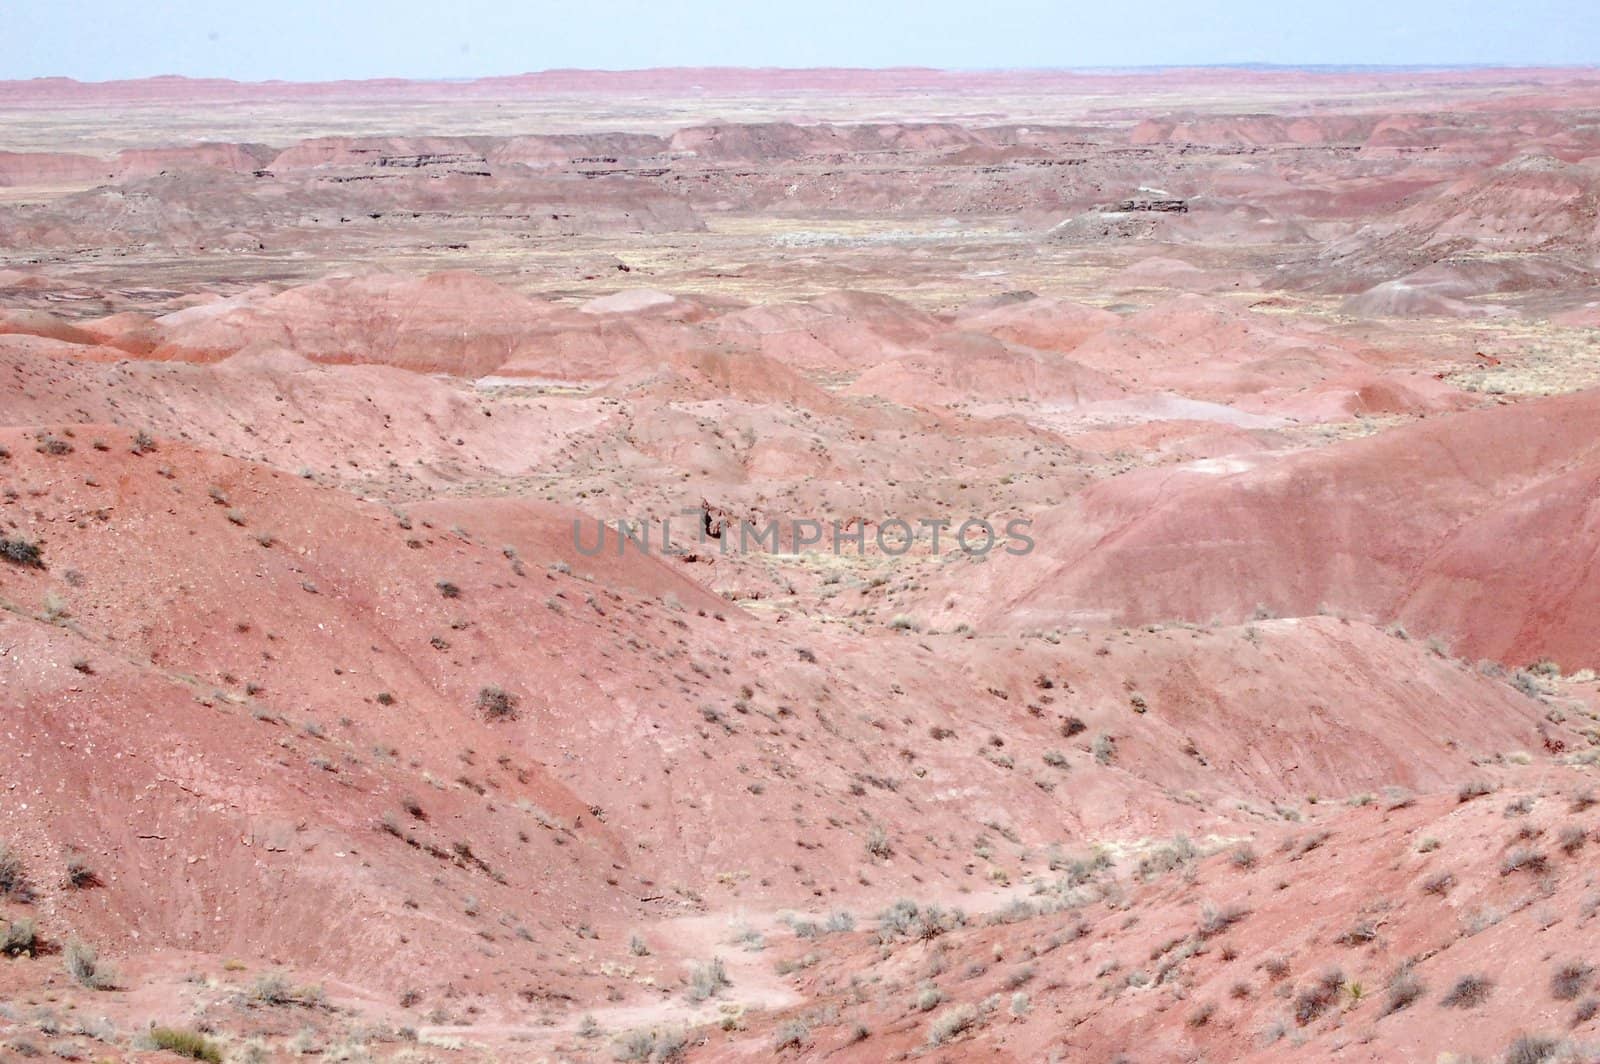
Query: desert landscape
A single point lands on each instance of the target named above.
(328, 732)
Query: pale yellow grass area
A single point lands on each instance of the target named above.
(1537, 358)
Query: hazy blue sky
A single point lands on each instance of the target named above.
(320, 39)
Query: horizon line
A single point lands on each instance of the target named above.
(1242, 66)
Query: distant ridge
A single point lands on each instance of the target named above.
(733, 80)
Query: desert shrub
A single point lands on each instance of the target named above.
(1523, 859)
(84, 965)
(1531, 1049)
(638, 947)
(447, 589)
(1469, 992)
(13, 876)
(897, 919)
(839, 922)
(80, 876)
(950, 1023)
(1398, 798)
(1214, 921)
(272, 988)
(1175, 854)
(788, 967)
(19, 939)
(1244, 857)
(708, 979)
(1358, 935)
(1569, 980)
(928, 998)
(792, 1034)
(1317, 998)
(1572, 839)
(995, 758)
(1082, 869)
(21, 551)
(1015, 911)
(1404, 990)
(634, 1046)
(1473, 789)
(497, 704)
(878, 844)
(1439, 883)
(1313, 841)
(670, 1045)
(1054, 758)
(189, 1044)
(1104, 749)
(1525, 683)
(906, 919)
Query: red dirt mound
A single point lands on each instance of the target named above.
(1046, 324)
(1403, 525)
(456, 323)
(1211, 349)
(1534, 202)
(1406, 298)
(959, 369)
(343, 422)
(835, 333)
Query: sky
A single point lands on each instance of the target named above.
(313, 40)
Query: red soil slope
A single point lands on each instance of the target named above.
(1476, 527)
